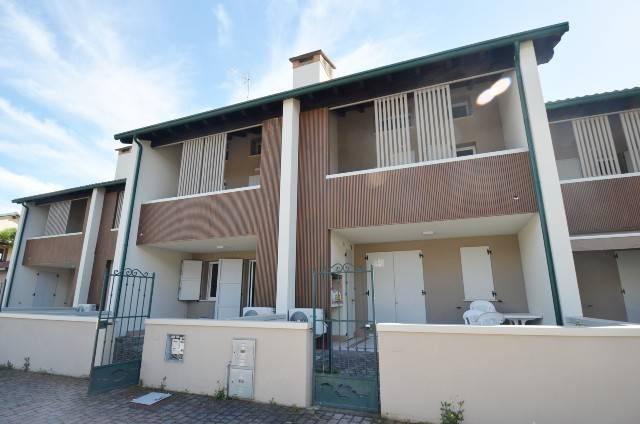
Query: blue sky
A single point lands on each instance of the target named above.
(74, 73)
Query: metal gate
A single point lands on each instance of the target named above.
(345, 351)
(117, 352)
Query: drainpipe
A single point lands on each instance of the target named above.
(537, 188)
(127, 232)
(17, 243)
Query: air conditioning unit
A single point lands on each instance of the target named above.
(253, 311)
(306, 315)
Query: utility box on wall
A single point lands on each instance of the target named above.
(242, 368)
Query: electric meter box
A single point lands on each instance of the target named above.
(241, 383)
(244, 353)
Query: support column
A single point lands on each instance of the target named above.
(92, 227)
(556, 218)
(286, 275)
(16, 258)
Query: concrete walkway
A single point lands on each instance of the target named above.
(27, 397)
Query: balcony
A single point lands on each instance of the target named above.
(475, 116)
(58, 251)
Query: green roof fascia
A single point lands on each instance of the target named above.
(592, 98)
(556, 29)
(67, 191)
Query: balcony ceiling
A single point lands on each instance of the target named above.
(230, 244)
(472, 227)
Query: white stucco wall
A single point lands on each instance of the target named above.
(92, 227)
(54, 344)
(511, 115)
(550, 185)
(534, 269)
(282, 364)
(158, 179)
(510, 374)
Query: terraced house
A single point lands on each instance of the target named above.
(278, 248)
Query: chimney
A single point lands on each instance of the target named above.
(311, 68)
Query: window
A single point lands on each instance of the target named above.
(256, 146)
(3, 254)
(465, 151)
(212, 281)
(460, 109)
(117, 211)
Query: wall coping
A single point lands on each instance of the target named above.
(48, 317)
(513, 330)
(185, 322)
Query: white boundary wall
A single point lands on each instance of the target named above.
(282, 364)
(53, 343)
(510, 374)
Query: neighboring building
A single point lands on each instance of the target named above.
(7, 220)
(65, 245)
(596, 139)
(428, 170)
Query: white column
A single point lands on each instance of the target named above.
(550, 185)
(16, 256)
(92, 227)
(286, 283)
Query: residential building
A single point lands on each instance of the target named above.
(596, 139)
(7, 220)
(65, 245)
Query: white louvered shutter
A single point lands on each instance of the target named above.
(596, 149)
(434, 123)
(190, 167)
(631, 127)
(393, 146)
(215, 147)
(57, 218)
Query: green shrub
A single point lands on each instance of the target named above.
(451, 413)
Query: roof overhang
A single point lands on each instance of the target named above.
(246, 113)
(70, 193)
(594, 104)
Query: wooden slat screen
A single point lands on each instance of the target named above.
(596, 149)
(434, 123)
(631, 126)
(393, 145)
(57, 218)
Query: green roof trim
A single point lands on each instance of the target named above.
(593, 98)
(552, 30)
(68, 191)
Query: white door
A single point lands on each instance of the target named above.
(629, 270)
(477, 275)
(46, 284)
(383, 290)
(190, 280)
(229, 288)
(409, 284)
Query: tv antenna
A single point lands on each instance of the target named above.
(246, 79)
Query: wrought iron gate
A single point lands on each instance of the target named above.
(117, 352)
(345, 353)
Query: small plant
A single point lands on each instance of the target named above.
(220, 394)
(451, 413)
(9, 365)
(163, 383)
(27, 364)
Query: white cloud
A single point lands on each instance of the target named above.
(223, 25)
(78, 81)
(26, 183)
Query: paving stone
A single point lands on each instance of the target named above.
(40, 398)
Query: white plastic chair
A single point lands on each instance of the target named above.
(491, 318)
(471, 316)
(482, 305)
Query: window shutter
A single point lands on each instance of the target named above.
(477, 275)
(595, 146)
(434, 123)
(215, 147)
(631, 127)
(57, 218)
(392, 130)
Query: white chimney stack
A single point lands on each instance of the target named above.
(311, 68)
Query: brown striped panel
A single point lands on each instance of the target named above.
(603, 206)
(105, 245)
(241, 213)
(56, 251)
(454, 190)
(312, 234)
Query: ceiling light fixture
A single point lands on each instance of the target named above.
(427, 233)
(220, 247)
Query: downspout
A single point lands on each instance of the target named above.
(127, 232)
(537, 188)
(17, 245)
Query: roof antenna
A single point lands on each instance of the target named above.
(247, 81)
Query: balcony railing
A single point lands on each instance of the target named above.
(58, 251)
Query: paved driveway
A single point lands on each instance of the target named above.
(37, 398)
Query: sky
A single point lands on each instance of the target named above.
(73, 73)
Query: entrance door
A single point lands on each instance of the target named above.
(629, 269)
(384, 298)
(410, 294)
(46, 285)
(229, 289)
(399, 286)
